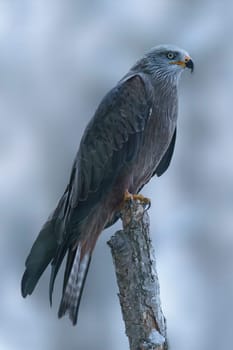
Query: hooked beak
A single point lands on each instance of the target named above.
(187, 63)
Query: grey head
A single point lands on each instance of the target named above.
(165, 62)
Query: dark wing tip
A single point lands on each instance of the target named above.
(26, 287)
(166, 159)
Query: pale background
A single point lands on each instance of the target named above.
(57, 60)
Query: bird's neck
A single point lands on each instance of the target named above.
(165, 89)
(165, 97)
(158, 74)
(165, 81)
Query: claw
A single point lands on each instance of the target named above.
(128, 197)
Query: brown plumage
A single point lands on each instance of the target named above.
(130, 138)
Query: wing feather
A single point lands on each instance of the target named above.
(115, 128)
(166, 160)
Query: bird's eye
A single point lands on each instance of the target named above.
(170, 55)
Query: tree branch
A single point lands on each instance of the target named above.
(137, 279)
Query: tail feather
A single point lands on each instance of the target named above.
(75, 282)
(56, 263)
(69, 263)
(51, 245)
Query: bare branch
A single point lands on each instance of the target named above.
(137, 279)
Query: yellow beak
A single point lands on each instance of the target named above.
(187, 63)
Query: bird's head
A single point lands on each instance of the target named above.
(166, 61)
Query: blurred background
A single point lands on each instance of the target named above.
(57, 60)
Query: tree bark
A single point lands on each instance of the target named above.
(137, 279)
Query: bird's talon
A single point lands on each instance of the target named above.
(128, 197)
(148, 206)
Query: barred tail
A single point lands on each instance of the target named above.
(77, 265)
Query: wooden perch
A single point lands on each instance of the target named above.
(137, 279)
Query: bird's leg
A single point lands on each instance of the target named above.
(127, 196)
(133, 203)
(137, 197)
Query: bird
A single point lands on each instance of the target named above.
(130, 138)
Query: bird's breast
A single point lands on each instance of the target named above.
(156, 139)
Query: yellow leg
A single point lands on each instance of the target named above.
(128, 196)
(137, 197)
